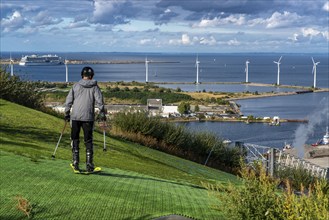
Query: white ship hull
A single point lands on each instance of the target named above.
(39, 63)
(44, 60)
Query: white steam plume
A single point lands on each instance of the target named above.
(317, 117)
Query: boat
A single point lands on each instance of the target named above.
(275, 121)
(227, 141)
(35, 60)
(324, 140)
(287, 146)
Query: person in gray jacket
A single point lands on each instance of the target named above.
(80, 105)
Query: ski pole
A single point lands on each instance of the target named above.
(104, 143)
(104, 147)
(59, 140)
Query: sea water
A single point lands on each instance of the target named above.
(310, 106)
(295, 69)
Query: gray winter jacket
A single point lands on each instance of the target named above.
(84, 96)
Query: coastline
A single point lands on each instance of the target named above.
(265, 95)
(79, 62)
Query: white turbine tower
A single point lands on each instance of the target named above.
(247, 71)
(278, 63)
(66, 71)
(197, 63)
(146, 70)
(11, 66)
(314, 72)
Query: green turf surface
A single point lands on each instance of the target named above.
(136, 183)
(55, 192)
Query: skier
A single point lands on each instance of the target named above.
(84, 96)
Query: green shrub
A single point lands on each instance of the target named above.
(259, 198)
(297, 176)
(184, 107)
(176, 139)
(141, 95)
(62, 86)
(13, 89)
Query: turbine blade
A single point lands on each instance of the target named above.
(280, 59)
(313, 60)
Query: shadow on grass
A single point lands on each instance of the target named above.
(105, 174)
(21, 144)
(33, 133)
(140, 218)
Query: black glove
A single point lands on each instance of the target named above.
(102, 116)
(67, 118)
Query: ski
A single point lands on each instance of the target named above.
(96, 170)
(74, 170)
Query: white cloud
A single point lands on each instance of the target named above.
(277, 20)
(326, 6)
(233, 42)
(210, 41)
(147, 41)
(217, 21)
(111, 12)
(282, 20)
(167, 10)
(326, 35)
(190, 24)
(311, 33)
(186, 39)
(103, 28)
(14, 22)
(73, 25)
(174, 42)
(43, 18)
(294, 38)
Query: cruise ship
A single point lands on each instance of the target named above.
(34, 60)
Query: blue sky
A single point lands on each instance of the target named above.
(197, 26)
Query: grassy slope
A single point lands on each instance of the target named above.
(138, 183)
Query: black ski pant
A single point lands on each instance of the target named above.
(87, 127)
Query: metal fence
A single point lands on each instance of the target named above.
(273, 158)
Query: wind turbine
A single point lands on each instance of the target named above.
(66, 71)
(278, 63)
(147, 69)
(247, 71)
(11, 66)
(197, 63)
(314, 72)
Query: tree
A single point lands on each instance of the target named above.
(197, 108)
(184, 107)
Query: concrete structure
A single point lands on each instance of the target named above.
(168, 110)
(154, 106)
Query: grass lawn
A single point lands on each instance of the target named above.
(136, 182)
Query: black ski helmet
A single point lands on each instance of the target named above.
(87, 71)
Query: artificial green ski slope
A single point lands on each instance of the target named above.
(136, 182)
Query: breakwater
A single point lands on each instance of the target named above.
(79, 62)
